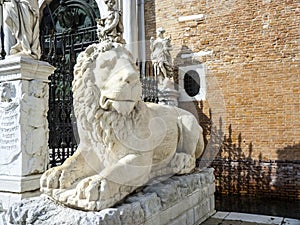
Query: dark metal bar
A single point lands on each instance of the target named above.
(3, 53)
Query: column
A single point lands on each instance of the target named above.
(131, 26)
(141, 31)
(23, 127)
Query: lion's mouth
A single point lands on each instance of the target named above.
(106, 103)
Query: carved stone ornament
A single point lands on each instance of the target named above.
(170, 202)
(23, 125)
(7, 92)
(124, 142)
(9, 124)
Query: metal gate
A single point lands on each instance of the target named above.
(67, 28)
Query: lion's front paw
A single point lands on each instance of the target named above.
(95, 193)
(55, 178)
(89, 188)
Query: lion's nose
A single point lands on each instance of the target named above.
(130, 78)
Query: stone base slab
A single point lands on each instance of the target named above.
(184, 200)
(19, 184)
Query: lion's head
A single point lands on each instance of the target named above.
(107, 93)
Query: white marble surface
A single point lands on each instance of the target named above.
(288, 221)
(236, 218)
(18, 184)
(23, 126)
(200, 69)
(7, 199)
(254, 218)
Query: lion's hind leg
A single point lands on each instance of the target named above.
(190, 136)
(182, 163)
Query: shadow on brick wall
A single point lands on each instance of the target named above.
(290, 152)
(287, 179)
(236, 171)
(250, 185)
(197, 109)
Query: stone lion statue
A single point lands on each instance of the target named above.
(124, 142)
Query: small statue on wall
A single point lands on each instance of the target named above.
(110, 29)
(160, 56)
(163, 69)
(23, 21)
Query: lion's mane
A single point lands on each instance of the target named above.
(100, 125)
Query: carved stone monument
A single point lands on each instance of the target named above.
(124, 142)
(23, 126)
(163, 68)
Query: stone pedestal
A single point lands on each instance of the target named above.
(184, 200)
(168, 97)
(167, 94)
(23, 127)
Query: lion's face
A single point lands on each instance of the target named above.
(118, 81)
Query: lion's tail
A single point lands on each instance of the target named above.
(199, 146)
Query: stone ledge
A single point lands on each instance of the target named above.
(181, 200)
(19, 184)
(24, 68)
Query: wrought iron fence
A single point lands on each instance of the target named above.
(61, 50)
(149, 82)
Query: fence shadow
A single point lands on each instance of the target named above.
(245, 184)
(236, 171)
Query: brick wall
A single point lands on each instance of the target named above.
(251, 51)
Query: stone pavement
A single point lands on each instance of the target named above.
(233, 218)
